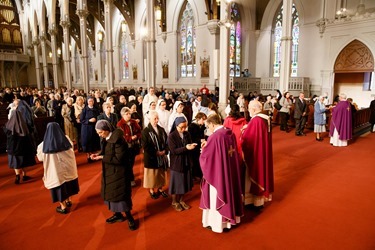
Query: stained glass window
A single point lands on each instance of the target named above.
(188, 43)
(124, 57)
(277, 42)
(235, 42)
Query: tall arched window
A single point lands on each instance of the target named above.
(188, 43)
(77, 61)
(235, 42)
(90, 54)
(102, 57)
(277, 42)
(124, 57)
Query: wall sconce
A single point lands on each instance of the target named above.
(59, 52)
(123, 26)
(70, 47)
(341, 13)
(50, 54)
(158, 14)
(226, 23)
(100, 36)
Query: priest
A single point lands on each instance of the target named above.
(340, 129)
(258, 158)
(221, 198)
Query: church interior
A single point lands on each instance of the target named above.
(323, 195)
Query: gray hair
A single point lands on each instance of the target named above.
(342, 96)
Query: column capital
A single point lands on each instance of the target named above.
(82, 13)
(65, 24)
(53, 30)
(35, 41)
(43, 38)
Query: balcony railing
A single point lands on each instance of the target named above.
(268, 85)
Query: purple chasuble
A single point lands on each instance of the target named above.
(342, 121)
(220, 167)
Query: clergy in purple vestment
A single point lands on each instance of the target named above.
(340, 129)
(221, 198)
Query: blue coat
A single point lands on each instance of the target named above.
(319, 114)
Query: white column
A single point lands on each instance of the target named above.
(82, 14)
(37, 64)
(150, 45)
(53, 33)
(65, 23)
(108, 4)
(286, 43)
(43, 39)
(224, 57)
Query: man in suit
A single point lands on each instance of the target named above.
(300, 114)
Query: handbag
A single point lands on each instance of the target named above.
(277, 106)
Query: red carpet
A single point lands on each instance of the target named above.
(324, 199)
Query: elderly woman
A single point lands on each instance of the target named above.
(132, 135)
(154, 142)
(67, 112)
(116, 190)
(319, 118)
(89, 138)
(180, 146)
(108, 114)
(60, 167)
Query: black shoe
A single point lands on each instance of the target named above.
(61, 211)
(68, 203)
(17, 180)
(131, 224)
(26, 178)
(154, 195)
(162, 193)
(115, 218)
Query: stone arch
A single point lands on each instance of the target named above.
(354, 57)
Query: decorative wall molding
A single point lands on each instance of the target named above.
(355, 57)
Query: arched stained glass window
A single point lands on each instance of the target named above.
(235, 42)
(188, 43)
(277, 42)
(124, 57)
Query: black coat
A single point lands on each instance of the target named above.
(116, 169)
(149, 147)
(180, 156)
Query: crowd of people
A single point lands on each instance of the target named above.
(180, 133)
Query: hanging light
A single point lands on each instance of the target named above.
(59, 51)
(50, 54)
(123, 26)
(100, 36)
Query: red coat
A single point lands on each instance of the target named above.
(136, 129)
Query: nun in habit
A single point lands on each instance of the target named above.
(60, 168)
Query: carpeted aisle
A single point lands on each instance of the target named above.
(324, 199)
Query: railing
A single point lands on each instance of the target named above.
(361, 121)
(268, 85)
(13, 56)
